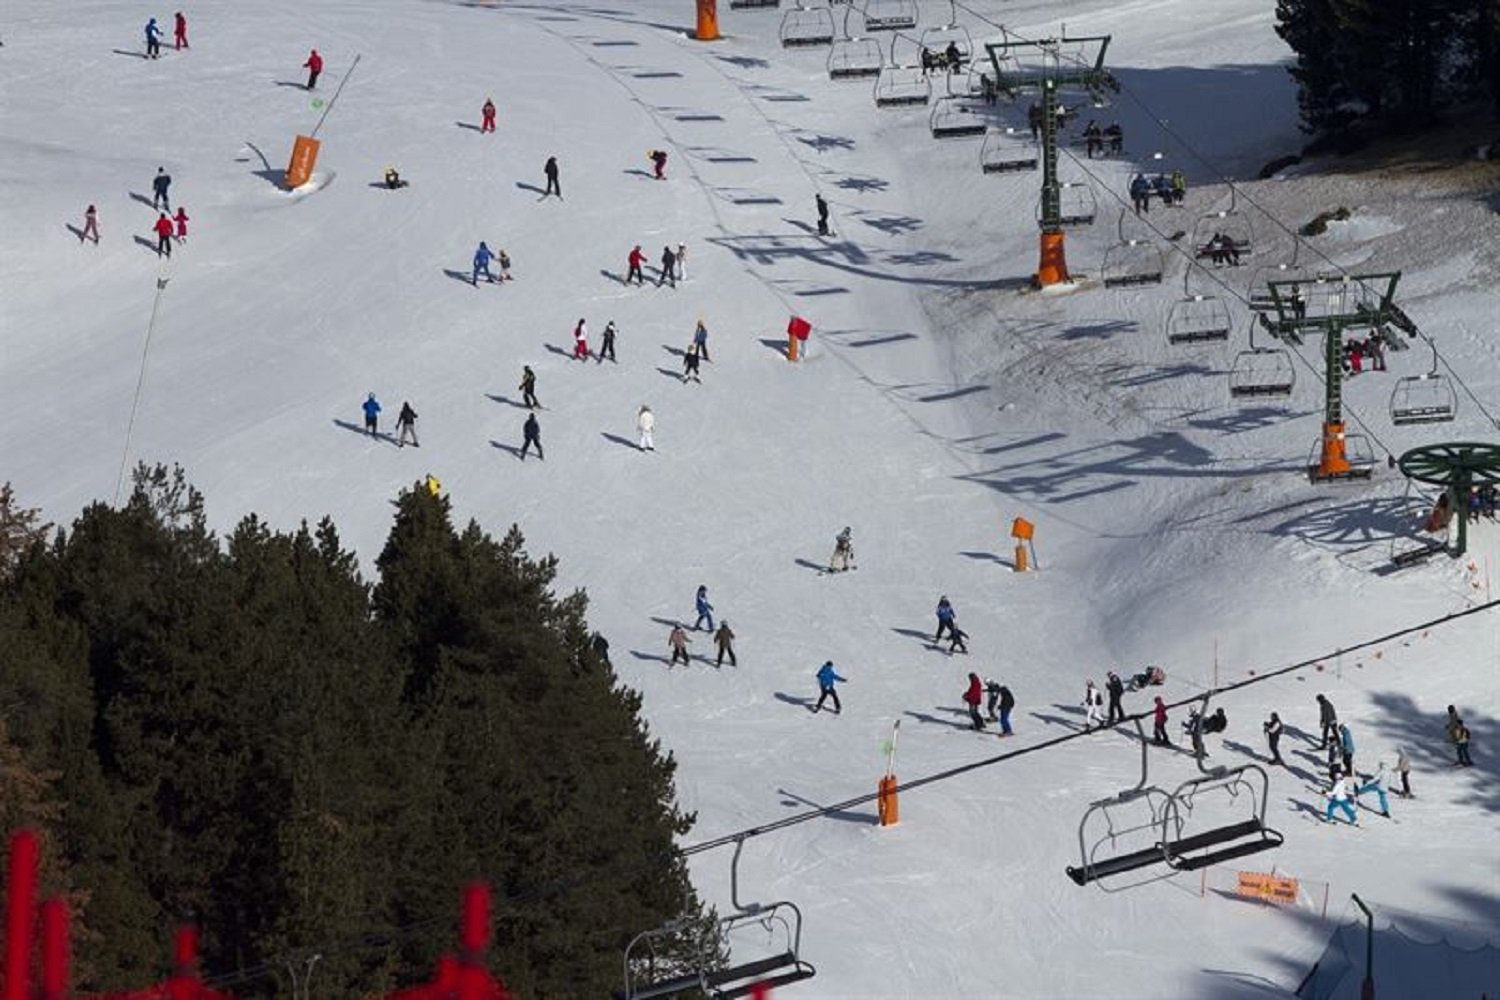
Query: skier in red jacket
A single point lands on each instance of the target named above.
(488, 112)
(1159, 718)
(636, 260)
(179, 31)
(163, 235)
(972, 697)
(314, 66)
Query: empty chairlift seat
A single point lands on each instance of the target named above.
(754, 4)
(1008, 150)
(955, 118)
(1198, 319)
(902, 87)
(806, 27)
(1423, 399)
(890, 15)
(853, 58)
(1132, 262)
(1208, 831)
(1261, 373)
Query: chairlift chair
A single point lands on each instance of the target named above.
(854, 58)
(1075, 203)
(937, 38)
(1008, 150)
(1131, 262)
(806, 27)
(1228, 224)
(1428, 398)
(890, 15)
(1190, 849)
(955, 118)
(901, 86)
(1261, 373)
(1197, 319)
(754, 4)
(1357, 453)
(1112, 828)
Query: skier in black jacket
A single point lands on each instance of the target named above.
(1116, 689)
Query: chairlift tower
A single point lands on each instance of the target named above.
(1044, 71)
(1457, 467)
(1332, 305)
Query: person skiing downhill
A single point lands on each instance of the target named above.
(1093, 707)
(1328, 719)
(1273, 728)
(700, 339)
(724, 639)
(690, 364)
(482, 257)
(90, 225)
(181, 218)
(1339, 797)
(153, 39)
(945, 616)
(842, 559)
(372, 415)
(645, 422)
(1116, 689)
(1376, 784)
(705, 610)
(554, 186)
(581, 341)
(636, 259)
(827, 677)
(1159, 723)
(973, 695)
(163, 229)
(607, 348)
(528, 388)
(531, 434)
(314, 66)
(658, 158)
(678, 641)
(668, 268)
(160, 185)
(822, 207)
(179, 31)
(406, 426)
(487, 116)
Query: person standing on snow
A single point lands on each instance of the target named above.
(487, 117)
(1116, 689)
(1093, 707)
(528, 388)
(163, 229)
(531, 434)
(601, 648)
(827, 677)
(179, 31)
(372, 415)
(90, 225)
(1273, 728)
(1403, 768)
(1159, 723)
(724, 639)
(668, 268)
(581, 341)
(406, 426)
(1458, 735)
(314, 66)
(1140, 193)
(505, 266)
(658, 158)
(843, 552)
(1007, 703)
(690, 364)
(153, 40)
(678, 641)
(645, 422)
(1339, 798)
(700, 339)
(159, 186)
(1328, 719)
(181, 218)
(636, 260)
(607, 348)
(945, 616)
(482, 257)
(1376, 784)
(553, 185)
(1346, 749)
(958, 641)
(973, 694)
(705, 610)
(822, 214)
(682, 262)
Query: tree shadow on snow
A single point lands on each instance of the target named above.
(617, 439)
(848, 816)
(357, 429)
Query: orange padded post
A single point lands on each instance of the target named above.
(304, 159)
(1334, 462)
(708, 21)
(890, 812)
(1053, 268)
(1021, 561)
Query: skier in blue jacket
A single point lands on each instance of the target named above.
(1346, 747)
(153, 39)
(945, 614)
(827, 676)
(705, 610)
(372, 415)
(482, 258)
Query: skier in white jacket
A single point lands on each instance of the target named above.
(1093, 707)
(1339, 797)
(645, 422)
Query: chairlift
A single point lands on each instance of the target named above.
(1259, 293)
(1429, 513)
(1131, 262)
(854, 58)
(938, 38)
(1358, 455)
(776, 960)
(1428, 398)
(901, 86)
(1261, 373)
(1112, 828)
(1075, 203)
(754, 4)
(890, 15)
(806, 27)
(1197, 319)
(955, 118)
(1223, 235)
(1008, 151)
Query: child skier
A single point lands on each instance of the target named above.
(678, 641)
(668, 268)
(528, 388)
(682, 262)
(1339, 798)
(179, 31)
(705, 610)
(645, 422)
(636, 260)
(1376, 784)
(581, 341)
(1159, 721)
(944, 617)
(972, 696)
(406, 426)
(487, 117)
(843, 552)
(531, 434)
(372, 412)
(958, 641)
(1346, 748)
(690, 364)
(607, 349)
(181, 218)
(827, 676)
(505, 266)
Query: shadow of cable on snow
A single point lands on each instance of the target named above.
(793, 800)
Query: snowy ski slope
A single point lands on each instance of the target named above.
(940, 401)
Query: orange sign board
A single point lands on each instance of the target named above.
(1022, 529)
(1271, 888)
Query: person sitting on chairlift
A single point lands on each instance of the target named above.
(1116, 136)
(954, 58)
(1093, 139)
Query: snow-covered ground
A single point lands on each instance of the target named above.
(940, 401)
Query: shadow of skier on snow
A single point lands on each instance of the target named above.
(816, 567)
(505, 447)
(357, 429)
(617, 439)
(935, 720)
(505, 400)
(137, 196)
(792, 699)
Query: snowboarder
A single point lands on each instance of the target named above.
(1328, 719)
(90, 226)
(1116, 689)
(1273, 728)
(700, 339)
(1403, 768)
(181, 218)
(487, 117)
(482, 257)
(1159, 721)
(958, 641)
(843, 552)
(163, 236)
(822, 214)
(553, 185)
(314, 66)
(528, 388)
(1093, 707)
(179, 31)
(972, 696)
(531, 434)
(153, 39)
(668, 268)
(724, 639)
(645, 422)
(945, 616)
(1377, 784)
(159, 185)
(505, 274)
(827, 676)
(678, 641)
(1140, 194)
(1339, 798)
(682, 262)
(372, 413)
(705, 610)
(581, 341)
(1346, 749)
(658, 158)
(636, 260)
(607, 349)
(406, 426)
(601, 648)
(690, 364)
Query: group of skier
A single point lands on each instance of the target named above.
(153, 35)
